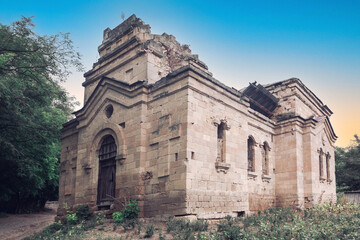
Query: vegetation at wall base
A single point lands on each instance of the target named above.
(130, 211)
(327, 221)
(33, 107)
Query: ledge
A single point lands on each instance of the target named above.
(120, 158)
(252, 175)
(265, 178)
(87, 168)
(222, 167)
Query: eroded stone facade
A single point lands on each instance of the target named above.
(156, 127)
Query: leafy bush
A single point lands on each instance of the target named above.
(72, 218)
(118, 217)
(131, 210)
(83, 212)
(100, 218)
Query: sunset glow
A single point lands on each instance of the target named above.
(241, 41)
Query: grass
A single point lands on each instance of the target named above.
(326, 221)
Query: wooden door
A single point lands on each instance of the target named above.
(107, 172)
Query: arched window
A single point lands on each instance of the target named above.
(321, 165)
(221, 144)
(328, 166)
(251, 154)
(107, 171)
(265, 162)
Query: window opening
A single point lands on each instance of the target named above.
(109, 111)
(251, 154)
(221, 142)
(321, 175)
(328, 166)
(265, 164)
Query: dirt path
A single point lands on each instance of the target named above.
(19, 226)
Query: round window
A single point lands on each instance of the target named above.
(109, 111)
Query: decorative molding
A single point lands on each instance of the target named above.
(222, 167)
(322, 179)
(252, 175)
(265, 178)
(216, 122)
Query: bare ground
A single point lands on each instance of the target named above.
(19, 226)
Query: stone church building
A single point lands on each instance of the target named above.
(156, 127)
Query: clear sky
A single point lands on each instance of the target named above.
(240, 41)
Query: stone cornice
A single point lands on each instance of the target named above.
(306, 92)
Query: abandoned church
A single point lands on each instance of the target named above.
(157, 128)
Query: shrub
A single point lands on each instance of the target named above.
(72, 218)
(131, 210)
(225, 224)
(176, 225)
(199, 225)
(149, 231)
(100, 218)
(83, 213)
(118, 217)
(53, 227)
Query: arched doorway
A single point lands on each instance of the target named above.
(107, 171)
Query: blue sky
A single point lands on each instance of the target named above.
(240, 41)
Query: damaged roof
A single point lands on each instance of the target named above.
(261, 100)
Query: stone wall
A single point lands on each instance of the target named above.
(188, 145)
(219, 188)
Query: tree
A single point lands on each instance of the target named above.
(348, 167)
(33, 107)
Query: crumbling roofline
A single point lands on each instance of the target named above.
(113, 53)
(306, 89)
(111, 35)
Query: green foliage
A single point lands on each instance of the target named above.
(71, 229)
(175, 225)
(100, 218)
(118, 217)
(327, 221)
(33, 107)
(149, 231)
(72, 219)
(199, 225)
(184, 229)
(348, 167)
(131, 210)
(82, 212)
